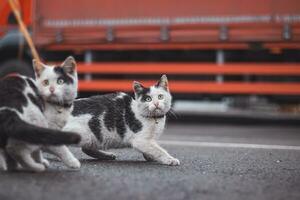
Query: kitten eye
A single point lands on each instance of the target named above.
(148, 99)
(60, 81)
(45, 82)
(160, 97)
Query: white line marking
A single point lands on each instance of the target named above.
(228, 145)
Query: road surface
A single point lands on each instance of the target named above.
(217, 162)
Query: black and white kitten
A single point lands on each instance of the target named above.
(117, 120)
(23, 126)
(58, 87)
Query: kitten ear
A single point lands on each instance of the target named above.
(69, 65)
(137, 87)
(38, 67)
(163, 82)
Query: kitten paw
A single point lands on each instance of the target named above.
(3, 164)
(74, 163)
(99, 154)
(45, 162)
(171, 161)
(108, 156)
(148, 157)
(3, 167)
(40, 169)
(36, 168)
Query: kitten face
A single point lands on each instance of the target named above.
(154, 101)
(57, 84)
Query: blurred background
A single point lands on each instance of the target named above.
(225, 59)
(234, 72)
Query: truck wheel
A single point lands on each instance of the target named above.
(16, 66)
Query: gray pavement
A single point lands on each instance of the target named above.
(205, 173)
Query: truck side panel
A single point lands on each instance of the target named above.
(62, 23)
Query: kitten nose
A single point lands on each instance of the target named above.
(51, 89)
(156, 104)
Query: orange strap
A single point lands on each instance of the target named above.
(14, 6)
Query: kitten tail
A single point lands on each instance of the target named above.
(14, 127)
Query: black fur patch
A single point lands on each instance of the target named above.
(90, 106)
(63, 75)
(55, 103)
(134, 124)
(32, 85)
(110, 112)
(7, 122)
(143, 94)
(95, 127)
(119, 110)
(37, 101)
(117, 113)
(11, 93)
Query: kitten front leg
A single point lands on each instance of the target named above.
(98, 154)
(23, 156)
(3, 165)
(65, 155)
(38, 156)
(154, 152)
(12, 164)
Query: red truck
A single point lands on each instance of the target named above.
(209, 49)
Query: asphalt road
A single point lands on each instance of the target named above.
(217, 162)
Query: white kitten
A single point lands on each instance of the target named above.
(24, 127)
(117, 120)
(58, 87)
